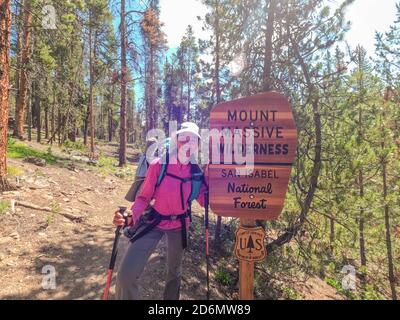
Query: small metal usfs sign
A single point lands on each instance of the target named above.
(249, 244)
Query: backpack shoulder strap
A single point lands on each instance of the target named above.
(164, 166)
(197, 181)
(163, 172)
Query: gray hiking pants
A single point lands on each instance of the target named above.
(135, 260)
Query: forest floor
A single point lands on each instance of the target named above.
(80, 250)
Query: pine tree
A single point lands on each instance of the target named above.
(5, 31)
(124, 74)
(154, 42)
(23, 83)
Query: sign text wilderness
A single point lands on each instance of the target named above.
(266, 131)
(257, 189)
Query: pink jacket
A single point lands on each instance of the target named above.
(167, 199)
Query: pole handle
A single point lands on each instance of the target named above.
(122, 210)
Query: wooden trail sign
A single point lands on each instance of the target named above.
(251, 190)
(254, 190)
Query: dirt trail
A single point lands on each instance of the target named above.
(79, 251)
(31, 239)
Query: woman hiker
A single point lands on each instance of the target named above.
(170, 205)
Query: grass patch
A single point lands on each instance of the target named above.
(4, 206)
(18, 149)
(14, 171)
(338, 286)
(107, 162)
(290, 293)
(50, 219)
(109, 165)
(70, 145)
(223, 276)
(55, 209)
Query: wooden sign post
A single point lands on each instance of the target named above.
(246, 269)
(256, 190)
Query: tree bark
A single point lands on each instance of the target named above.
(91, 80)
(52, 117)
(46, 121)
(29, 116)
(18, 62)
(38, 113)
(391, 271)
(86, 126)
(92, 57)
(59, 124)
(361, 222)
(5, 31)
(23, 80)
(189, 83)
(110, 115)
(332, 235)
(122, 131)
(218, 226)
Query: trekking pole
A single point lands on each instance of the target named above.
(113, 255)
(207, 256)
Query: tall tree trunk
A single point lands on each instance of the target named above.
(361, 230)
(86, 125)
(59, 124)
(217, 85)
(331, 235)
(110, 115)
(38, 112)
(129, 119)
(72, 134)
(18, 62)
(23, 81)
(29, 117)
(46, 121)
(5, 31)
(110, 124)
(181, 102)
(189, 85)
(270, 7)
(91, 80)
(52, 114)
(151, 106)
(361, 221)
(122, 131)
(391, 271)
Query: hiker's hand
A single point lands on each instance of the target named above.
(119, 219)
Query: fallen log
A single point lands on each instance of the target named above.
(85, 202)
(48, 209)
